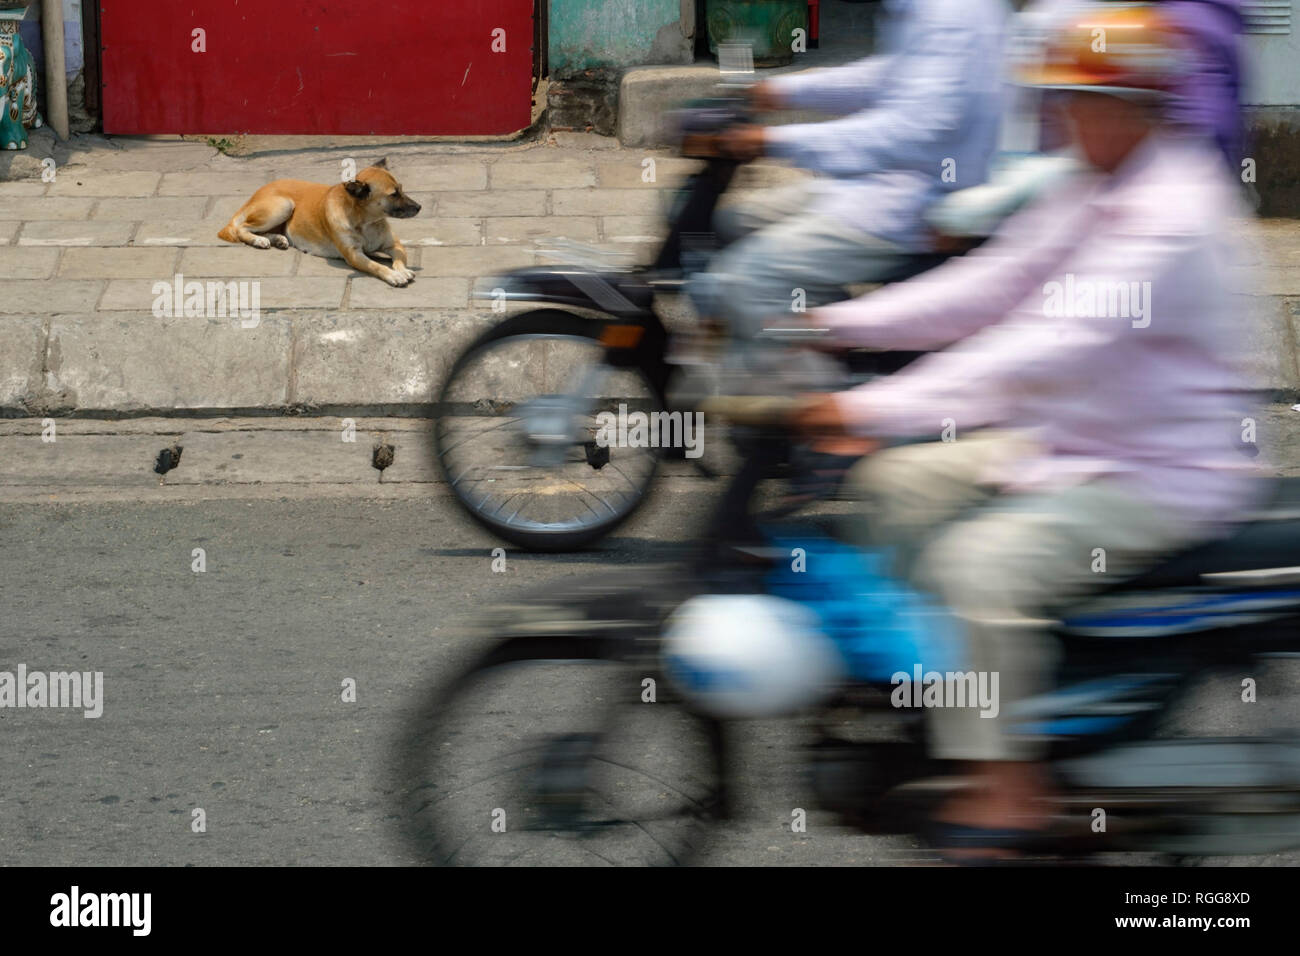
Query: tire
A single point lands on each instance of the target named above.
(562, 798)
(476, 391)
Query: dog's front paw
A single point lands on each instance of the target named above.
(280, 242)
(261, 242)
(405, 273)
(395, 278)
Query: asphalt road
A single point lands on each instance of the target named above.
(223, 690)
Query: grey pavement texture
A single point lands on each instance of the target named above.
(223, 688)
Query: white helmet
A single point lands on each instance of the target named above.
(749, 655)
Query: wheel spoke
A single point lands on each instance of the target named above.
(592, 776)
(497, 470)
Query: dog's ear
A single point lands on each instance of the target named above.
(381, 163)
(357, 190)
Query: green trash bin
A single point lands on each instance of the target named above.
(769, 25)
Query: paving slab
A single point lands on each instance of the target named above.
(101, 262)
(441, 231)
(442, 177)
(43, 297)
(52, 232)
(474, 261)
(572, 139)
(238, 260)
(275, 293)
(426, 292)
(313, 265)
(501, 230)
(180, 232)
(23, 187)
(28, 262)
(505, 202)
(608, 202)
(213, 183)
(154, 207)
(544, 174)
(633, 228)
(645, 169)
(33, 208)
(222, 208)
(84, 181)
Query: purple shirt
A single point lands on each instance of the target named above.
(1139, 385)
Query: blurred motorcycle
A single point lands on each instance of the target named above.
(516, 421)
(596, 727)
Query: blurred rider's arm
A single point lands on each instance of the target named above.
(837, 90)
(920, 106)
(962, 296)
(1009, 365)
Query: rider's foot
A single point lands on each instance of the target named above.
(1004, 799)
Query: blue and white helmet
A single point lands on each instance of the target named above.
(750, 655)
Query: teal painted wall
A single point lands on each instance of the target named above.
(619, 33)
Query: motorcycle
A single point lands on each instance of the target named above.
(516, 430)
(593, 729)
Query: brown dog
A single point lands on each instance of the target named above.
(347, 220)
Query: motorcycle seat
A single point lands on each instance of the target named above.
(1271, 541)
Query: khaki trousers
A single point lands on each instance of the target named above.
(1004, 568)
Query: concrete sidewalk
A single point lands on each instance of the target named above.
(79, 257)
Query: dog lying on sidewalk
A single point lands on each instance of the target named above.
(348, 220)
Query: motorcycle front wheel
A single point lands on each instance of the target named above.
(540, 755)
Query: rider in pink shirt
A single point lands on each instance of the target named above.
(1097, 333)
(1149, 395)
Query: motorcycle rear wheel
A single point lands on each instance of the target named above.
(517, 432)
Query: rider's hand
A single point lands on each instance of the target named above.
(742, 142)
(764, 97)
(820, 417)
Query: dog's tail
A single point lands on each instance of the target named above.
(228, 232)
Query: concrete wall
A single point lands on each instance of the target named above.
(1272, 92)
(1273, 77)
(595, 34)
(73, 52)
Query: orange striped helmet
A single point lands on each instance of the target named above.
(1118, 48)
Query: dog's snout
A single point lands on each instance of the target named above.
(410, 208)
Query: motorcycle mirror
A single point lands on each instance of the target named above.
(736, 63)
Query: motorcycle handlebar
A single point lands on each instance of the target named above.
(758, 410)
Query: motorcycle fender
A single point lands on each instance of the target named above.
(611, 293)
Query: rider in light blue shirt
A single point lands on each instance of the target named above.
(912, 124)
